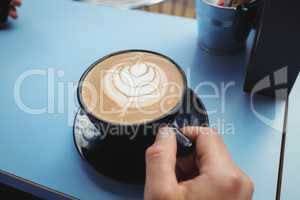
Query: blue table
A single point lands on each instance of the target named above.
(62, 38)
(291, 176)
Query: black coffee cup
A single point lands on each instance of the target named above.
(121, 147)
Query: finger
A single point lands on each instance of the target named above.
(211, 152)
(16, 2)
(13, 14)
(160, 162)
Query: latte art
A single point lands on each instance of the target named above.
(135, 85)
(132, 87)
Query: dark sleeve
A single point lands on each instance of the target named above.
(4, 10)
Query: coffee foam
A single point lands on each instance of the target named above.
(132, 83)
(137, 84)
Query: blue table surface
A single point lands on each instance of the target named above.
(291, 177)
(64, 37)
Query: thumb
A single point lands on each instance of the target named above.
(160, 163)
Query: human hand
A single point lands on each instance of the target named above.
(13, 10)
(209, 174)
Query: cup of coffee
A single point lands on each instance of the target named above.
(128, 95)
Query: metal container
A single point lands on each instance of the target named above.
(224, 30)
